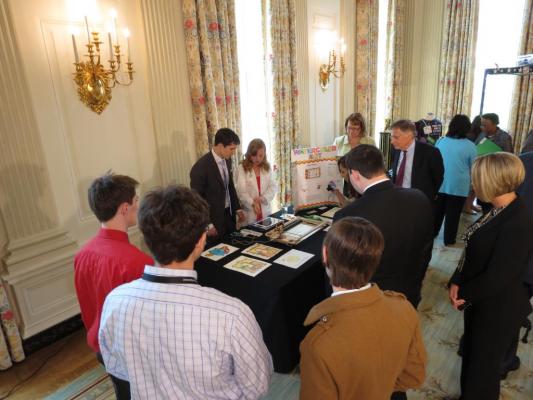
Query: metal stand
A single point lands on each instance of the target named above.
(519, 71)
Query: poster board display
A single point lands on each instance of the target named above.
(313, 169)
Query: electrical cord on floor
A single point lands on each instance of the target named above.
(32, 375)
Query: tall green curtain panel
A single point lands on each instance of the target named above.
(521, 118)
(285, 124)
(456, 75)
(366, 58)
(211, 46)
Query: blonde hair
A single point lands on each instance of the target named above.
(253, 147)
(496, 174)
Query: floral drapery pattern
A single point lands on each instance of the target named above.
(210, 40)
(10, 340)
(394, 84)
(456, 75)
(521, 117)
(281, 20)
(366, 58)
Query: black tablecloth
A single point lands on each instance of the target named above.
(280, 297)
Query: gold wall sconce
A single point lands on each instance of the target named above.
(94, 82)
(326, 70)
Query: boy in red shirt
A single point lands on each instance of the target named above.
(108, 260)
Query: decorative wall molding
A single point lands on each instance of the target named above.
(324, 107)
(25, 198)
(168, 81)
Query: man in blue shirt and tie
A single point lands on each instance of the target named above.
(211, 176)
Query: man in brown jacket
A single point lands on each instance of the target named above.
(367, 342)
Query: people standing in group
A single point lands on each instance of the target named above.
(355, 134)
(170, 337)
(366, 343)
(255, 183)
(458, 154)
(404, 217)
(415, 165)
(491, 130)
(488, 284)
(108, 260)
(212, 177)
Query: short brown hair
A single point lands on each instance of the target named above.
(356, 119)
(496, 174)
(253, 148)
(353, 247)
(172, 220)
(404, 125)
(108, 192)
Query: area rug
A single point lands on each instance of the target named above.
(442, 327)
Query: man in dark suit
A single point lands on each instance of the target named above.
(415, 165)
(404, 217)
(211, 176)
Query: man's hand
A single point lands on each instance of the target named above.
(453, 293)
(240, 215)
(212, 232)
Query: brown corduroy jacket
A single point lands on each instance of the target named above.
(365, 346)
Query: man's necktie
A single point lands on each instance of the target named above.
(401, 170)
(225, 179)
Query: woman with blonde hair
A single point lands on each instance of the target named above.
(488, 283)
(355, 135)
(256, 186)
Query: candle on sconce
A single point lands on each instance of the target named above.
(110, 45)
(76, 56)
(113, 14)
(127, 35)
(87, 27)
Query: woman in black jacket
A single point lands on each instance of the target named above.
(488, 283)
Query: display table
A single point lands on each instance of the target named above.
(280, 297)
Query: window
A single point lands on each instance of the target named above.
(256, 98)
(498, 43)
(379, 123)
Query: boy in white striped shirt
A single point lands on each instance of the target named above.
(170, 337)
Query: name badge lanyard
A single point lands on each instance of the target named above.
(169, 279)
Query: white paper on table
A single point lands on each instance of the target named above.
(219, 251)
(248, 266)
(330, 213)
(261, 251)
(294, 258)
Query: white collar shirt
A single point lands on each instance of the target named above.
(183, 341)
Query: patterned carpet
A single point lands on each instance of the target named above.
(442, 328)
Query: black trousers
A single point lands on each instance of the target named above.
(122, 387)
(398, 396)
(229, 226)
(449, 207)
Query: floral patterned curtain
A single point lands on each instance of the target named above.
(210, 40)
(394, 67)
(521, 118)
(285, 125)
(10, 341)
(456, 80)
(366, 58)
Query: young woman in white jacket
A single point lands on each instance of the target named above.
(256, 186)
